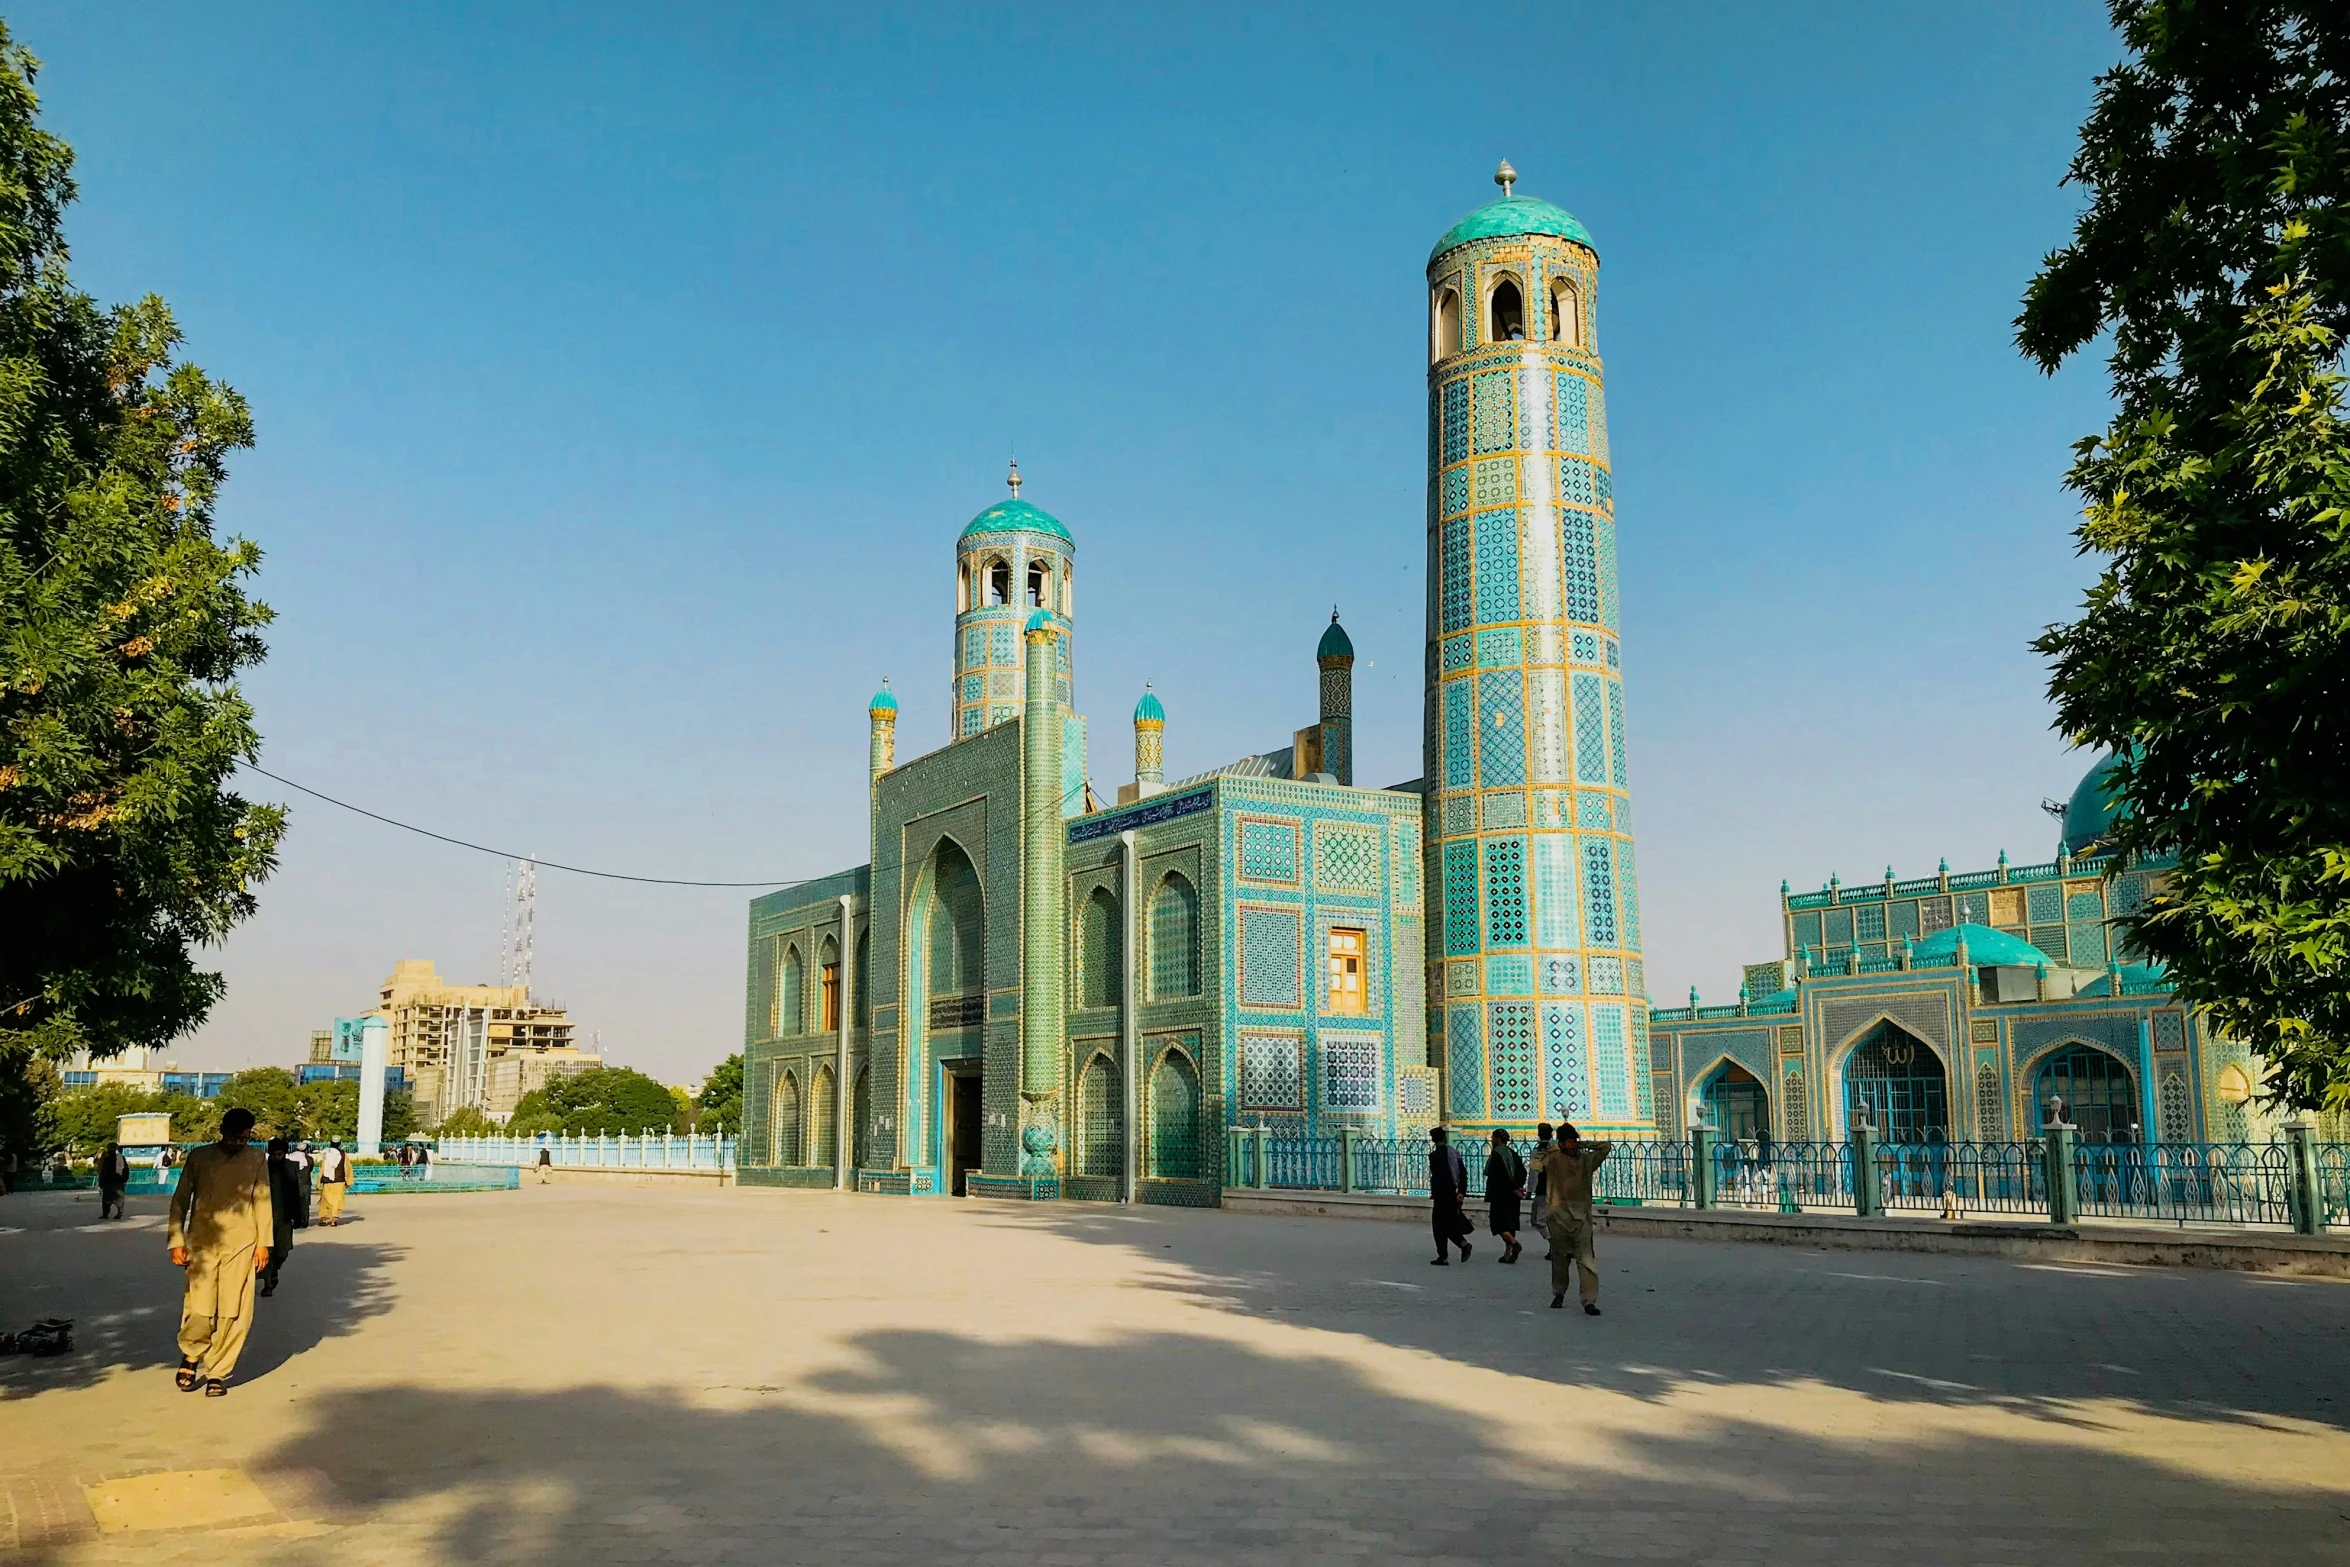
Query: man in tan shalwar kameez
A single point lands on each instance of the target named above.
(220, 1232)
(1566, 1187)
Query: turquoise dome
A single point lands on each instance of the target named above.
(884, 701)
(1335, 642)
(1148, 710)
(1017, 516)
(1514, 215)
(2090, 814)
(1985, 948)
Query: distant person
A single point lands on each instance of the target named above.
(221, 1226)
(334, 1184)
(424, 1161)
(114, 1178)
(1448, 1182)
(1534, 1193)
(1505, 1186)
(546, 1164)
(285, 1202)
(302, 1159)
(1566, 1172)
(407, 1160)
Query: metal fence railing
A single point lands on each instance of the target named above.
(648, 1150)
(2249, 1184)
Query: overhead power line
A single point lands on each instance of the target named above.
(509, 854)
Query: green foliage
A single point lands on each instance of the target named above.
(468, 1121)
(603, 1099)
(28, 1110)
(123, 623)
(719, 1106)
(193, 1120)
(86, 1117)
(271, 1093)
(2213, 654)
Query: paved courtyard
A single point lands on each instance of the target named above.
(573, 1375)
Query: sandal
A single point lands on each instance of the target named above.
(216, 1388)
(185, 1378)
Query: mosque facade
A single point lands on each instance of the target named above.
(1028, 991)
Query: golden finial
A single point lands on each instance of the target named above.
(1013, 478)
(1505, 176)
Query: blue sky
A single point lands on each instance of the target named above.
(624, 374)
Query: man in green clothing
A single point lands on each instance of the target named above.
(1566, 1172)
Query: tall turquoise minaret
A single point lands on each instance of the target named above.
(1012, 561)
(1534, 956)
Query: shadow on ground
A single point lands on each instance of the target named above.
(1170, 1448)
(116, 1281)
(1899, 1327)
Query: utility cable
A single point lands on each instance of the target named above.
(508, 854)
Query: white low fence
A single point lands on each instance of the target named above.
(608, 1151)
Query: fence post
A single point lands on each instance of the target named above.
(1346, 1158)
(1867, 1196)
(2064, 1192)
(1701, 1162)
(2307, 1198)
(1260, 1136)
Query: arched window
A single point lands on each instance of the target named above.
(789, 986)
(1174, 937)
(1444, 331)
(999, 583)
(1040, 584)
(1174, 1119)
(1069, 592)
(862, 1002)
(828, 986)
(962, 589)
(955, 936)
(1101, 1125)
(823, 1149)
(1507, 312)
(1990, 1105)
(1566, 314)
(2100, 1097)
(783, 1123)
(1735, 1104)
(1098, 979)
(1895, 1079)
(861, 1119)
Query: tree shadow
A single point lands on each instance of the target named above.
(1169, 1447)
(2036, 1339)
(116, 1282)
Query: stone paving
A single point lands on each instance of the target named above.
(573, 1375)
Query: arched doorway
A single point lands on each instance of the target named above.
(1735, 1103)
(2100, 1095)
(1897, 1081)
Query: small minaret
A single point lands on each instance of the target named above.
(883, 710)
(1336, 656)
(1150, 728)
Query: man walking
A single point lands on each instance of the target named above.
(1566, 1182)
(1541, 1209)
(114, 1177)
(285, 1209)
(1448, 1183)
(220, 1232)
(334, 1183)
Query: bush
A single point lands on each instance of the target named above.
(599, 1101)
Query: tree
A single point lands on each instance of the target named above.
(123, 623)
(604, 1099)
(468, 1121)
(87, 1117)
(273, 1096)
(2213, 653)
(719, 1106)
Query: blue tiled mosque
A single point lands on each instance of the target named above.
(1029, 991)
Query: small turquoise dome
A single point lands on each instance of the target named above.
(2090, 814)
(1042, 620)
(1514, 215)
(1985, 948)
(1335, 642)
(1148, 710)
(884, 701)
(1014, 515)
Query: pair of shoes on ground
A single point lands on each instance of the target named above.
(1590, 1309)
(187, 1380)
(1444, 1259)
(1513, 1254)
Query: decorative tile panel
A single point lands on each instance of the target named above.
(1464, 1058)
(1460, 897)
(1346, 859)
(1590, 731)
(1567, 1074)
(1268, 851)
(1599, 891)
(1556, 906)
(1271, 1077)
(1497, 565)
(1495, 412)
(1270, 941)
(1509, 974)
(1510, 1041)
(1353, 1069)
(1501, 730)
(1608, 1057)
(1503, 811)
(1505, 892)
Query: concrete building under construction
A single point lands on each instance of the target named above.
(483, 1046)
